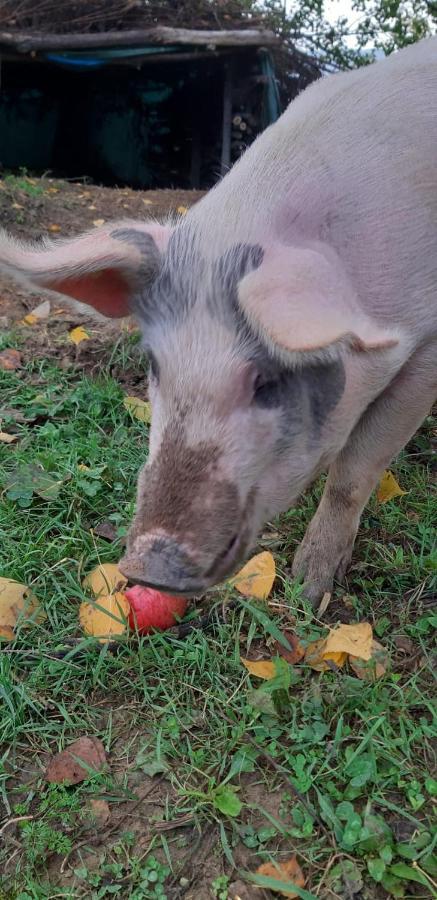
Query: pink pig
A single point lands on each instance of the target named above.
(291, 322)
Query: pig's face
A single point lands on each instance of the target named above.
(235, 433)
(247, 379)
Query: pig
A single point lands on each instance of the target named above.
(290, 319)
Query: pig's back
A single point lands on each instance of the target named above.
(353, 162)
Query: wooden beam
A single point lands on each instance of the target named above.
(26, 42)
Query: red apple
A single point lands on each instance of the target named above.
(150, 610)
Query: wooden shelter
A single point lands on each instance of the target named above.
(149, 107)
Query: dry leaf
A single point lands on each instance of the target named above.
(98, 222)
(6, 438)
(77, 335)
(64, 768)
(315, 656)
(30, 319)
(139, 408)
(375, 667)
(91, 206)
(100, 812)
(296, 652)
(106, 620)
(104, 579)
(289, 870)
(389, 488)
(42, 310)
(17, 603)
(260, 668)
(16, 206)
(256, 578)
(83, 468)
(355, 639)
(10, 360)
(324, 603)
(54, 228)
(52, 190)
(105, 530)
(182, 210)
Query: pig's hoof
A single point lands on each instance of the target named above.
(320, 563)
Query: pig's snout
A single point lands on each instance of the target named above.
(161, 563)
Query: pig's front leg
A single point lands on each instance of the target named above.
(384, 429)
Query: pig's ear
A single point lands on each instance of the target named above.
(103, 268)
(301, 301)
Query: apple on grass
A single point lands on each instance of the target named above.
(151, 610)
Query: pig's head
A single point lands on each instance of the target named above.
(247, 350)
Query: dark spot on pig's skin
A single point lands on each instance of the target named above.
(325, 383)
(222, 303)
(181, 494)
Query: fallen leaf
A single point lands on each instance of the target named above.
(355, 639)
(105, 530)
(54, 228)
(182, 210)
(100, 812)
(91, 206)
(65, 768)
(389, 488)
(30, 319)
(10, 360)
(17, 206)
(83, 468)
(98, 222)
(139, 408)
(260, 668)
(52, 190)
(17, 604)
(77, 335)
(315, 656)
(29, 479)
(6, 438)
(256, 578)
(296, 652)
(104, 579)
(106, 618)
(375, 667)
(286, 871)
(324, 603)
(42, 310)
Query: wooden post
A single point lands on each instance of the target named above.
(227, 119)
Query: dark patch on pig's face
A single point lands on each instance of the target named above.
(182, 493)
(222, 302)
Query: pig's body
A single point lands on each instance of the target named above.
(291, 319)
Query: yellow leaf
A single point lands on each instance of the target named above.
(77, 335)
(107, 619)
(6, 438)
(52, 190)
(139, 408)
(16, 602)
(98, 222)
(389, 488)
(355, 639)
(30, 319)
(182, 210)
(260, 668)
(83, 467)
(287, 871)
(54, 228)
(375, 667)
(104, 579)
(316, 656)
(256, 578)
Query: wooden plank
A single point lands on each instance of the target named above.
(25, 42)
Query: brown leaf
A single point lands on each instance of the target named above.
(324, 603)
(286, 871)
(296, 653)
(64, 768)
(99, 812)
(105, 530)
(6, 438)
(373, 668)
(260, 668)
(10, 360)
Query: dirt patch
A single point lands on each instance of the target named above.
(32, 208)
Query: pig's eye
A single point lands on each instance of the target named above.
(153, 367)
(267, 391)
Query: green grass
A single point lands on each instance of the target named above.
(228, 751)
